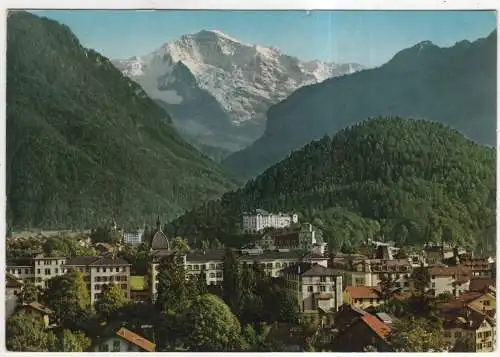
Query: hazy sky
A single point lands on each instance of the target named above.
(367, 37)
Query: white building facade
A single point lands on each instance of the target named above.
(256, 222)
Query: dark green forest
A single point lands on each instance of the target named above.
(406, 180)
(455, 86)
(85, 144)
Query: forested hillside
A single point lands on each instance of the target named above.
(85, 144)
(406, 180)
(456, 86)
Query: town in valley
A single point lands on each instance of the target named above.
(250, 181)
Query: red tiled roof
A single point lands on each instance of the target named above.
(362, 292)
(137, 340)
(381, 329)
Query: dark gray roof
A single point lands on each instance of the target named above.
(272, 255)
(109, 261)
(309, 269)
(20, 262)
(199, 256)
(81, 261)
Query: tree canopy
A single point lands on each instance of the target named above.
(410, 181)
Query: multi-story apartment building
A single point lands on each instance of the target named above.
(133, 237)
(97, 271)
(317, 288)
(211, 263)
(100, 271)
(454, 280)
(260, 219)
(480, 267)
(300, 238)
(356, 270)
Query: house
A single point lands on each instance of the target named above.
(477, 300)
(126, 341)
(318, 289)
(369, 272)
(44, 312)
(360, 330)
(468, 326)
(362, 296)
(454, 280)
(254, 222)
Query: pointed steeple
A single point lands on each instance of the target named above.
(158, 224)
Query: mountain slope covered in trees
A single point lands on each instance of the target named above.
(407, 180)
(455, 86)
(85, 144)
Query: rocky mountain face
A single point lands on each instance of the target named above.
(218, 89)
(455, 86)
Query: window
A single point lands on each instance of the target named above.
(486, 302)
(46, 262)
(130, 348)
(212, 266)
(116, 346)
(220, 266)
(38, 271)
(103, 270)
(212, 275)
(269, 265)
(447, 334)
(26, 271)
(47, 271)
(104, 347)
(96, 296)
(218, 274)
(56, 271)
(98, 269)
(458, 334)
(97, 287)
(278, 265)
(284, 265)
(371, 300)
(19, 271)
(196, 267)
(124, 286)
(322, 288)
(97, 279)
(322, 279)
(310, 288)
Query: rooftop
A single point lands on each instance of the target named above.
(39, 307)
(200, 256)
(377, 326)
(309, 269)
(135, 339)
(362, 292)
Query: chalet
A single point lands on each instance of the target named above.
(362, 296)
(125, 340)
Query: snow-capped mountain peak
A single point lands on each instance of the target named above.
(245, 79)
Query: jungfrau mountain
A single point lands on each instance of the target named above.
(218, 89)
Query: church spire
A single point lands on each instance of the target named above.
(158, 224)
